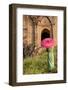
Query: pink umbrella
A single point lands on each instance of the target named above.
(48, 43)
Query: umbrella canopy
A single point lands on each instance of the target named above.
(47, 43)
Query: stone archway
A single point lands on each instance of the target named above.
(45, 34)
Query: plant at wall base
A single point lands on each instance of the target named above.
(38, 64)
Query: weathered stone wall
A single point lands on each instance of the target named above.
(42, 23)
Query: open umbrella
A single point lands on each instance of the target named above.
(48, 43)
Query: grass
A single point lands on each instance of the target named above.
(38, 64)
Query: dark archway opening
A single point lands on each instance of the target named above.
(45, 34)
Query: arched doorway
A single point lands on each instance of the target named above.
(45, 34)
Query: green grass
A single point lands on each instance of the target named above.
(37, 64)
